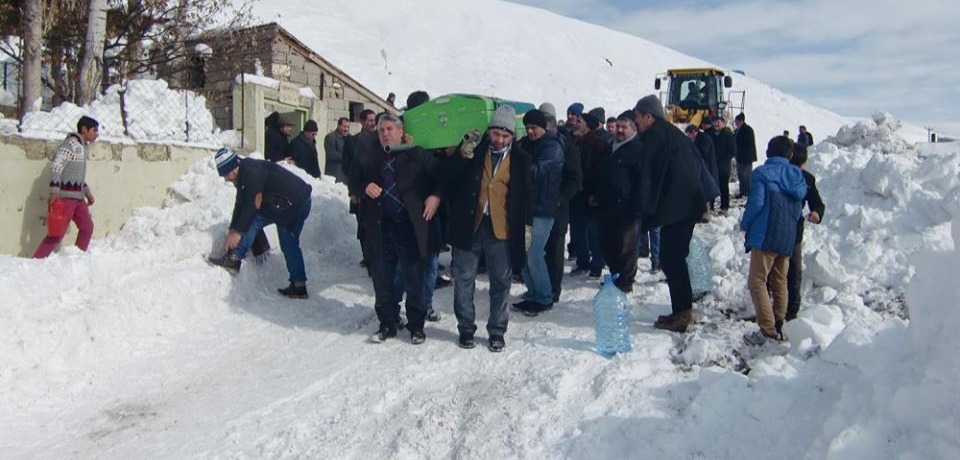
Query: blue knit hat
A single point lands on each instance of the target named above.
(576, 108)
(226, 160)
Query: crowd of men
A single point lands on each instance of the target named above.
(504, 202)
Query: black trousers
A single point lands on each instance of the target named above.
(399, 252)
(555, 250)
(618, 240)
(724, 191)
(794, 278)
(674, 247)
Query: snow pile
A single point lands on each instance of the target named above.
(884, 134)
(259, 79)
(154, 113)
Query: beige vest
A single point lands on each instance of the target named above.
(494, 190)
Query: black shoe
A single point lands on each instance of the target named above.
(579, 271)
(595, 273)
(296, 290)
(534, 309)
(496, 343)
(442, 282)
(363, 263)
(654, 268)
(432, 316)
(228, 262)
(384, 333)
(417, 337)
(522, 305)
(466, 341)
(556, 297)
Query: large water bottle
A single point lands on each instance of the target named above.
(698, 265)
(611, 317)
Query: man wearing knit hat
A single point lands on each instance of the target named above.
(267, 193)
(546, 177)
(570, 184)
(489, 207)
(303, 149)
(670, 197)
(601, 131)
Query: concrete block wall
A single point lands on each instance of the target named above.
(122, 177)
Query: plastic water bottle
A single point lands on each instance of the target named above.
(698, 265)
(611, 316)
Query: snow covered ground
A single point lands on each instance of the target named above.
(139, 349)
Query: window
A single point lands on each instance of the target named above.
(355, 109)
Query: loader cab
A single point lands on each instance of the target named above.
(692, 94)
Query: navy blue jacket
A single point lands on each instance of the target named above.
(777, 190)
(546, 174)
(267, 187)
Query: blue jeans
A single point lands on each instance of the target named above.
(429, 281)
(655, 245)
(497, 255)
(289, 241)
(535, 274)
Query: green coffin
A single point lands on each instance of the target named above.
(441, 122)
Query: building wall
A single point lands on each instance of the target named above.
(122, 177)
(281, 58)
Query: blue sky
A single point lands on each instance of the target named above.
(850, 56)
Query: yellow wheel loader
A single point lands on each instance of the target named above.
(692, 94)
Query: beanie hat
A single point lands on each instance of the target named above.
(226, 160)
(505, 117)
(650, 104)
(549, 109)
(576, 108)
(535, 118)
(591, 121)
(417, 98)
(310, 127)
(599, 113)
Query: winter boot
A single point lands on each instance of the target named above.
(677, 322)
(229, 262)
(296, 290)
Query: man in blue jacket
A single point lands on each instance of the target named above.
(770, 221)
(266, 193)
(546, 174)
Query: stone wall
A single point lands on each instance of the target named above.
(122, 177)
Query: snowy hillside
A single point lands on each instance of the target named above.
(139, 349)
(515, 52)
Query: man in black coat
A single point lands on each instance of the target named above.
(276, 134)
(725, 145)
(615, 191)
(804, 138)
(303, 149)
(333, 147)
(583, 212)
(704, 145)
(398, 198)
(487, 190)
(746, 154)
(816, 206)
(267, 193)
(362, 143)
(570, 184)
(669, 197)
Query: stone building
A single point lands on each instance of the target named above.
(219, 61)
